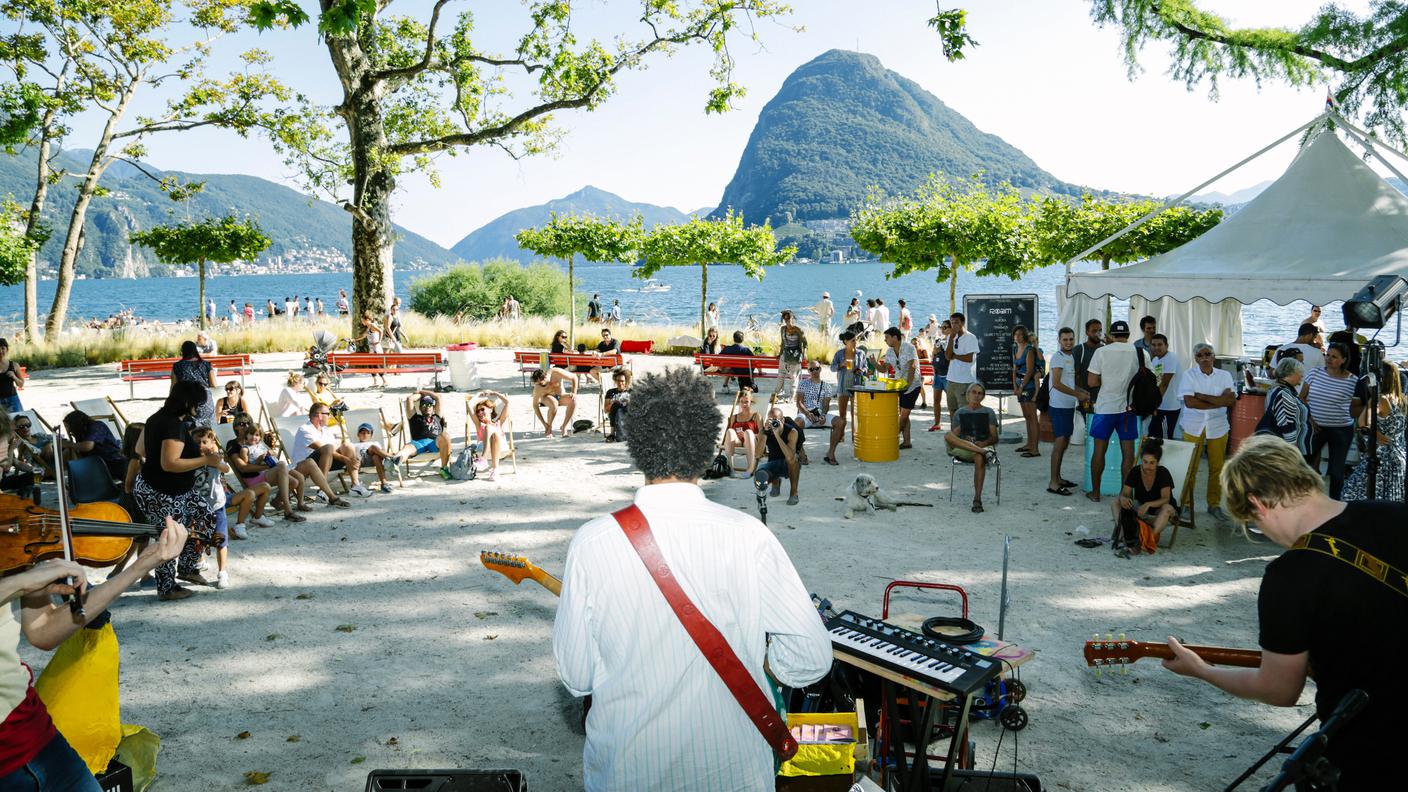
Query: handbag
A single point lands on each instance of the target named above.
(706, 636)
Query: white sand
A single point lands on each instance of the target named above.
(449, 665)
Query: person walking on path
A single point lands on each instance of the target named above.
(792, 353)
(825, 311)
(594, 308)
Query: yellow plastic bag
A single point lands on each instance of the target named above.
(79, 688)
(138, 751)
(822, 759)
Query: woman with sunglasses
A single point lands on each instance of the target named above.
(232, 405)
(744, 430)
(1330, 392)
(320, 390)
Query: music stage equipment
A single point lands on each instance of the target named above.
(930, 661)
(446, 781)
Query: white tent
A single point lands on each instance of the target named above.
(1318, 233)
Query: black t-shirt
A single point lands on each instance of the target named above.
(1355, 629)
(7, 384)
(160, 427)
(618, 396)
(1135, 481)
(425, 427)
(607, 346)
(774, 449)
(558, 348)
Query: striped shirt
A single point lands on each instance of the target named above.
(1329, 397)
(661, 718)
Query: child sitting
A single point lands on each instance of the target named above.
(372, 453)
(211, 479)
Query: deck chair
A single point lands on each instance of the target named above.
(257, 409)
(1178, 459)
(104, 410)
(380, 434)
(224, 433)
(90, 482)
(505, 423)
(35, 419)
(426, 462)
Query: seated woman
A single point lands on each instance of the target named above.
(559, 342)
(973, 437)
(711, 342)
(293, 400)
(320, 391)
(16, 475)
(232, 405)
(487, 413)
(1147, 495)
(744, 431)
(32, 445)
(254, 463)
(94, 438)
(616, 400)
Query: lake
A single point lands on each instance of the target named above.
(795, 286)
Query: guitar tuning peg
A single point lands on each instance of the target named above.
(1109, 637)
(1122, 639)
(1095, 637)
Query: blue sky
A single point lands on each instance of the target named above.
(1044, 78)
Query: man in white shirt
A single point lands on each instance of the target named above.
(1164, 364)
(825, 310)
(318, 450)
(661, 718)
(1310, 354)
(882, 313)
(961, 351)
(1207, 393)
(906, 324)
(903, 359)
(1065, 395)
(1111, 370)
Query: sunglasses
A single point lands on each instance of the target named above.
(21, 426)
(231, 389)
(1203, 354)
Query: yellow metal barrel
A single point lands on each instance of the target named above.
(877, 434)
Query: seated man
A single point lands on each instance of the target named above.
(813, 408)
(607, 346)
(783, 440)
(616, 400)
(318, 450)
(737, 348)
(548, 392)
(488, 414)
(427, 427)
(371, 453)
(969, 442)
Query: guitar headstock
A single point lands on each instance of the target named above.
(1111, 651)
(515, 568)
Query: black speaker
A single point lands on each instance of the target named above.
(983, 781)
(446, 781)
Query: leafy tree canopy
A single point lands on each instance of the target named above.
(476, 291)
(592, 238)
(220, 240)
(1064, 229)
(15, 247)
(722, 241)
(1361, 55)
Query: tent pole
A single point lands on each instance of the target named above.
(1375, 141)
(1175, 201)
(1364, 141)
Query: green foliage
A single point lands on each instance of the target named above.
(594, 239)
(1362, 54)
(15, 248)
(476, 291)
(220, 240)
(952, 27)
(1065, 229)
(20, 108)
(842, 124)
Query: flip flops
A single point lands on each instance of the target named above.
(1058, 491)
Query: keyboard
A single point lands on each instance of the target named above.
(933, 662)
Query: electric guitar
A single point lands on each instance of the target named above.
(1112, 651)
(518, 569)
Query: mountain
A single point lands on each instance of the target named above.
(305, 232)
(1231, 199)
(495, 238)
(843, 123)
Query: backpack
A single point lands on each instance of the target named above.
(462, 466)
(721, 468)
(1043, 394)
(1144, 395)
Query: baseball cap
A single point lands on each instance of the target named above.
(431, 399)
(1119, 328)
(366, 427)
(826, 294)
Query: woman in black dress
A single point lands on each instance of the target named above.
(166, 485)
(1147, 494)
(193, 368)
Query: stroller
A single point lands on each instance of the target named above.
(318, 361)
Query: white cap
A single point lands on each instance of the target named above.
(827, 295)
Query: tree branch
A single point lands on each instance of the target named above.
(407, 72)
(1198, 34)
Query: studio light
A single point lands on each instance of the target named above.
(1371, 308)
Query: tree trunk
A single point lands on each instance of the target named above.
(73, 241)
(373, 236)
(953, 289)
(1105, 267)
(200, 306)
(31, 226)
(571, 304)
(703, 300)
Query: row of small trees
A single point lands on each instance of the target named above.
(945, 226)
(952, 225)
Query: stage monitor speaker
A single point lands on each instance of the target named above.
(446, 781)
(983, 781)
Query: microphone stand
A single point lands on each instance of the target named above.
(1308, 769)
(1371, 361)
(760, 489)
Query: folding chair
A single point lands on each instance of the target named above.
(224, 433)
(105, 410)
(35, 419)
(505, 425)
(994, 467)
(380, 434)
(257, 409)
(1178, 460)
(432, 462)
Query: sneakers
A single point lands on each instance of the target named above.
(222, 580)
(385, 488)
(990, 454)
(238, 531)
(201, 566)
(263, 522)
(481, 464)
(360, 490)
(445, 473)
(320, 497)
(492, 475)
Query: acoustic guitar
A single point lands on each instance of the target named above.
(519, 569)
(1110, 652)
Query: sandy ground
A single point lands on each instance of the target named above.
(448, 664)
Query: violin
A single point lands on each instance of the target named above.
(101, 534)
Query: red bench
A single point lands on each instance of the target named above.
(529, 361)
(751, 366)
(384, 363)
(134, 371)
(637, 347)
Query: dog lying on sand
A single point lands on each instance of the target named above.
(864, 495)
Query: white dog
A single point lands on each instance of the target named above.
(864, 494)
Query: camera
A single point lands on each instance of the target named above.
(772, 424)
(337, 408)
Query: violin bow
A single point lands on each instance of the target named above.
(75, 600)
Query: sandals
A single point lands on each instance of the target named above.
(934, 428)
(906, 445)
(341, 503)
(295, 518)
(303, 507)
(831, 460)
(1068, 484)
(1029, 454)
(1058, 491)
(977, 507)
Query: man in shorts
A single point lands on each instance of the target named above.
(318, 450)
(1111, 369)
(548, 391)
(961, 352)
(903, 360)
(783, 441)
(814, 408)
(1065, 395)
(427, 429)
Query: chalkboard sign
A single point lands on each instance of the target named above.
(991, 318)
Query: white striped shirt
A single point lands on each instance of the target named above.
(1330, 397)
(661, 718)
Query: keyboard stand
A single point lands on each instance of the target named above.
(914, 775)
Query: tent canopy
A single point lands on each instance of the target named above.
(1318, 233)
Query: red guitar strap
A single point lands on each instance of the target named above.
(707, 637)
